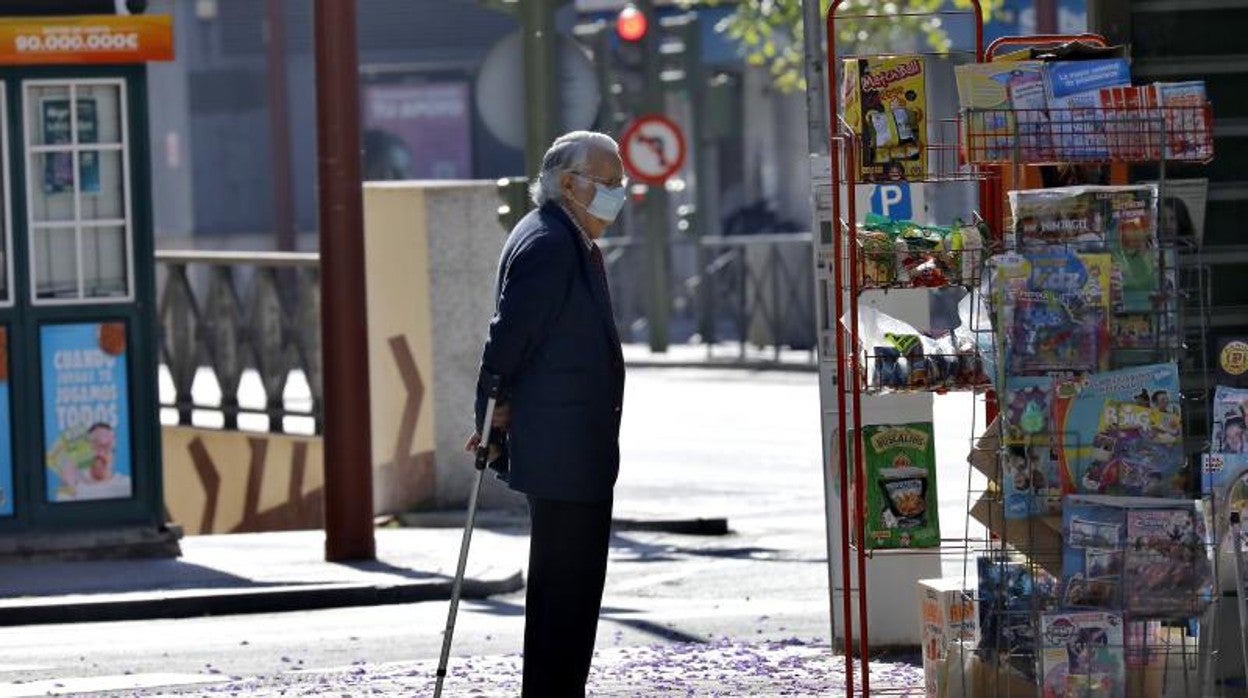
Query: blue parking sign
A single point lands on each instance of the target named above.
(892, 200)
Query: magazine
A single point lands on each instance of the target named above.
(1082, 655)
(1145, 556)
(1189, 135)
(1072, 90)
(1053, 307)
(1121, 432)
(1119, 220)
(1011, 592)
(1167, 569)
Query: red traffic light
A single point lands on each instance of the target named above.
(631, 24)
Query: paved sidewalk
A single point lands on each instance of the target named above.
(260, 572)
(722, 668)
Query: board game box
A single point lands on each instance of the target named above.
(1120, 432)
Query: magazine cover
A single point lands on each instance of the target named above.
(1225, 477)
(1131, 239)
(1059, 216)
(1082, 655)
(1188, 131)
(1119, 220)
(1121, 432)
(1072, 89)
(1054, 311)
(1011, 592)
(1148, 557)
(1094, 539)
(1029, 479)
(885, 100)
(1167, 570)
(900, 465)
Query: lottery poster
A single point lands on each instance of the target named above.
(86, 416)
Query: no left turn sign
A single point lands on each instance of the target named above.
(653, 148)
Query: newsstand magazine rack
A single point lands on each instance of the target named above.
(1012, 551)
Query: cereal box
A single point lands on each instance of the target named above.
(885, 102)
(1082, 655)
(948, 615)
(900, 464)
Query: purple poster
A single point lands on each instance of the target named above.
(417, 131)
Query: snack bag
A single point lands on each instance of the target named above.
(900, 466)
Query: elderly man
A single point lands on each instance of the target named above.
(554, 344)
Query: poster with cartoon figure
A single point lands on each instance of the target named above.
(86, 416)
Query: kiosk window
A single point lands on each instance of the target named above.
(77, 185)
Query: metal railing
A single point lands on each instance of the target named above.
(749, 290)
(226, 317)
(240, 331)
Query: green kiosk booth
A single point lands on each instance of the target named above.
(80, 462)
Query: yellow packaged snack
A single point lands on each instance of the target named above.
(885, 102)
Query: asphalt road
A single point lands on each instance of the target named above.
(736, 444)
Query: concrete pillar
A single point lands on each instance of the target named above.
(432, 250)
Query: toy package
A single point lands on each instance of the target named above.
(1010, 593)
(1082, 655)
(1121, 432)
(900, 465)
(1030, 481)
(1003, 102)
(1145, 556)
(1072, 89)
(1053, 310)
(885, 102)
(1189, 135)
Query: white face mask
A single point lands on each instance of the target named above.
(607, 201)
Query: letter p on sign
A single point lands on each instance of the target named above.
(892, 201)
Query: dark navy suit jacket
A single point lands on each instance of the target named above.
(554, 343)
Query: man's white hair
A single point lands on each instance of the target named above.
(569, 152)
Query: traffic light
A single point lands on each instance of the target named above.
(631, 24)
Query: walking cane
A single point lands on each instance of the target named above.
(457, 587)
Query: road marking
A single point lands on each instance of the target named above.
(100, 684)
(10, 668)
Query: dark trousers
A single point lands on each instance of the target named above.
(567, 568)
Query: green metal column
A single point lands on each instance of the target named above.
(654, 208)
(541, 106)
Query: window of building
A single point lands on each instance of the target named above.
(77, 191)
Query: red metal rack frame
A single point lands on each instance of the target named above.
(840, 147)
